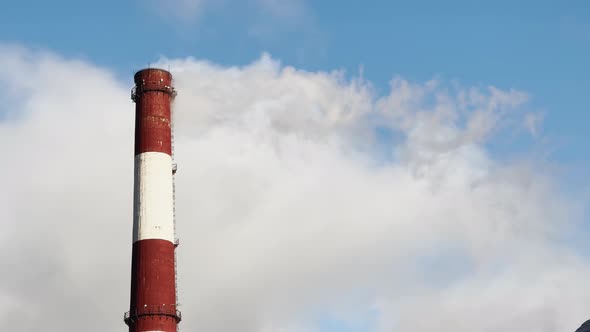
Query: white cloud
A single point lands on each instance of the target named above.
(533, 122)
(194, 9)
(283, 8)
(186, 10)
(283, 209)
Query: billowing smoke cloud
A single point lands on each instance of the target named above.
(300, 195)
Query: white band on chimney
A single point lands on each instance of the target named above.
(153, 210)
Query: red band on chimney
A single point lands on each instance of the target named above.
(153, 94)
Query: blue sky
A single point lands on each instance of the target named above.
(539, 47)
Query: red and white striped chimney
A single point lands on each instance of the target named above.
(153, 304)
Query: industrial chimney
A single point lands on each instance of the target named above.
(153, 303)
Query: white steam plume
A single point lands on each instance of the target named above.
(288, 205)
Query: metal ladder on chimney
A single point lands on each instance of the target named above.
(176, 241)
